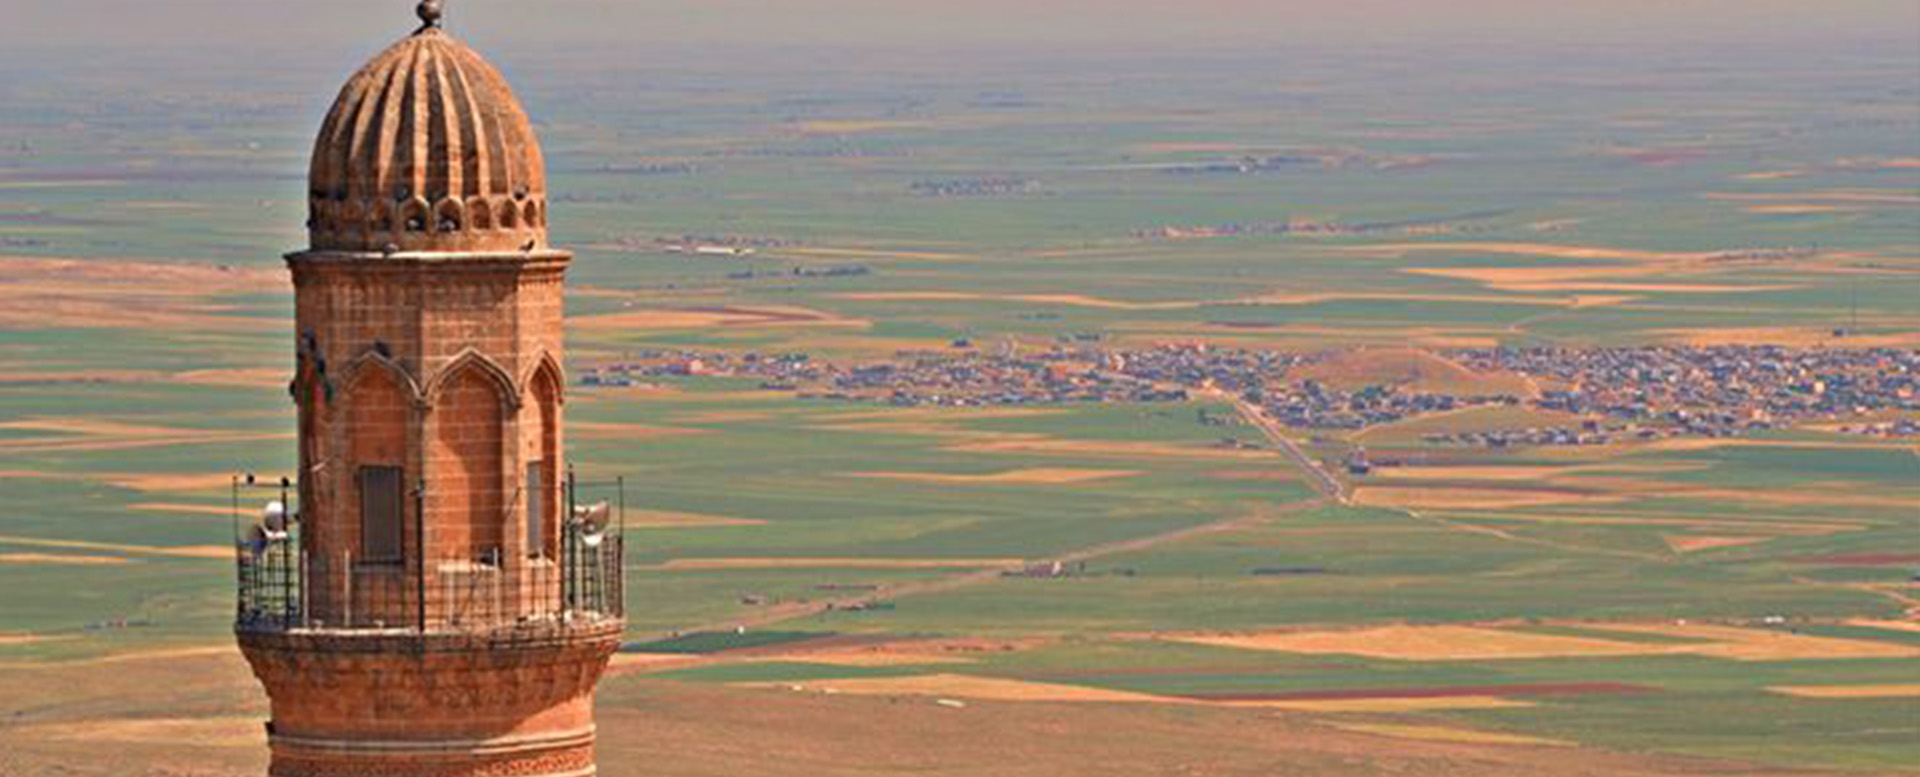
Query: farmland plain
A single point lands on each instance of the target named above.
(1658, 608)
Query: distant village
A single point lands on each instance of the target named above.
(1595, 396)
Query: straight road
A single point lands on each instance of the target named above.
(1329, 485)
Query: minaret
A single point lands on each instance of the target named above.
(437, 604)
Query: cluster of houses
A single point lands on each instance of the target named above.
(803, 271)
(1616, 393)
(1586, 433)
(1714, 390)
(1904, 427)
(1300, 227)
(1311, 405)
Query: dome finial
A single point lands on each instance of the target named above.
(430, 12)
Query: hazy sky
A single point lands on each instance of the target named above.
(954, 23)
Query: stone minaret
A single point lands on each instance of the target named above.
(439, 607)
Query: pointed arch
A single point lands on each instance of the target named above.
(471, 360)
(466, 439)
(378, 413)
(374, 361)
(549, 368)
(541, 455)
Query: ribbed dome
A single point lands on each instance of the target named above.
(426, 149)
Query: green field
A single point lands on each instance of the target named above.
(116, 447)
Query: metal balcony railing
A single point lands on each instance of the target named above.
(580, 581)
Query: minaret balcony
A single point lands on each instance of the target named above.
(577, 587)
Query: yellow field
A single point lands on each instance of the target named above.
(183, 551)
(1778, 527)
(74, 435)
(833, 563)
(60, 560)
(119, 293)
(1446, 734)
(1894, 625)
(880, 658)
(1114, 449)
(721, 417)
(169, 507)
(962, 686)
(626, 663)
(1799, 337)
(248, 378)
(1799, 209)
(1413, 704)
(8, 638)
(1482, 473)
(1427, 643)
(763, 316)
(1536, 249)
(1886, 691)
(1038, 475)
(1458, 643)
(1071, 300)
(1473, 498)
(1694, 543)
(172, 483)
(587, 430)
(1863, 196)
(1742, 644)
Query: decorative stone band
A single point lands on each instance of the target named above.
(462, 747)
(565, 754)
(438, 261)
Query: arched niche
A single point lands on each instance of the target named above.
(543, 466)
(468, 410)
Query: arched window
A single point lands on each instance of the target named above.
(509, 216)
(478, 214)
(413, 215)
(543, 466)
(376, 418)
(449, 216)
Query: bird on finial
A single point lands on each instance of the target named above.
(430, 12)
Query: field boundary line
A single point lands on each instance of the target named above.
(1254, 515)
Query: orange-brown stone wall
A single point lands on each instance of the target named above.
(466, 515)
(409, 705)
(449, 367)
